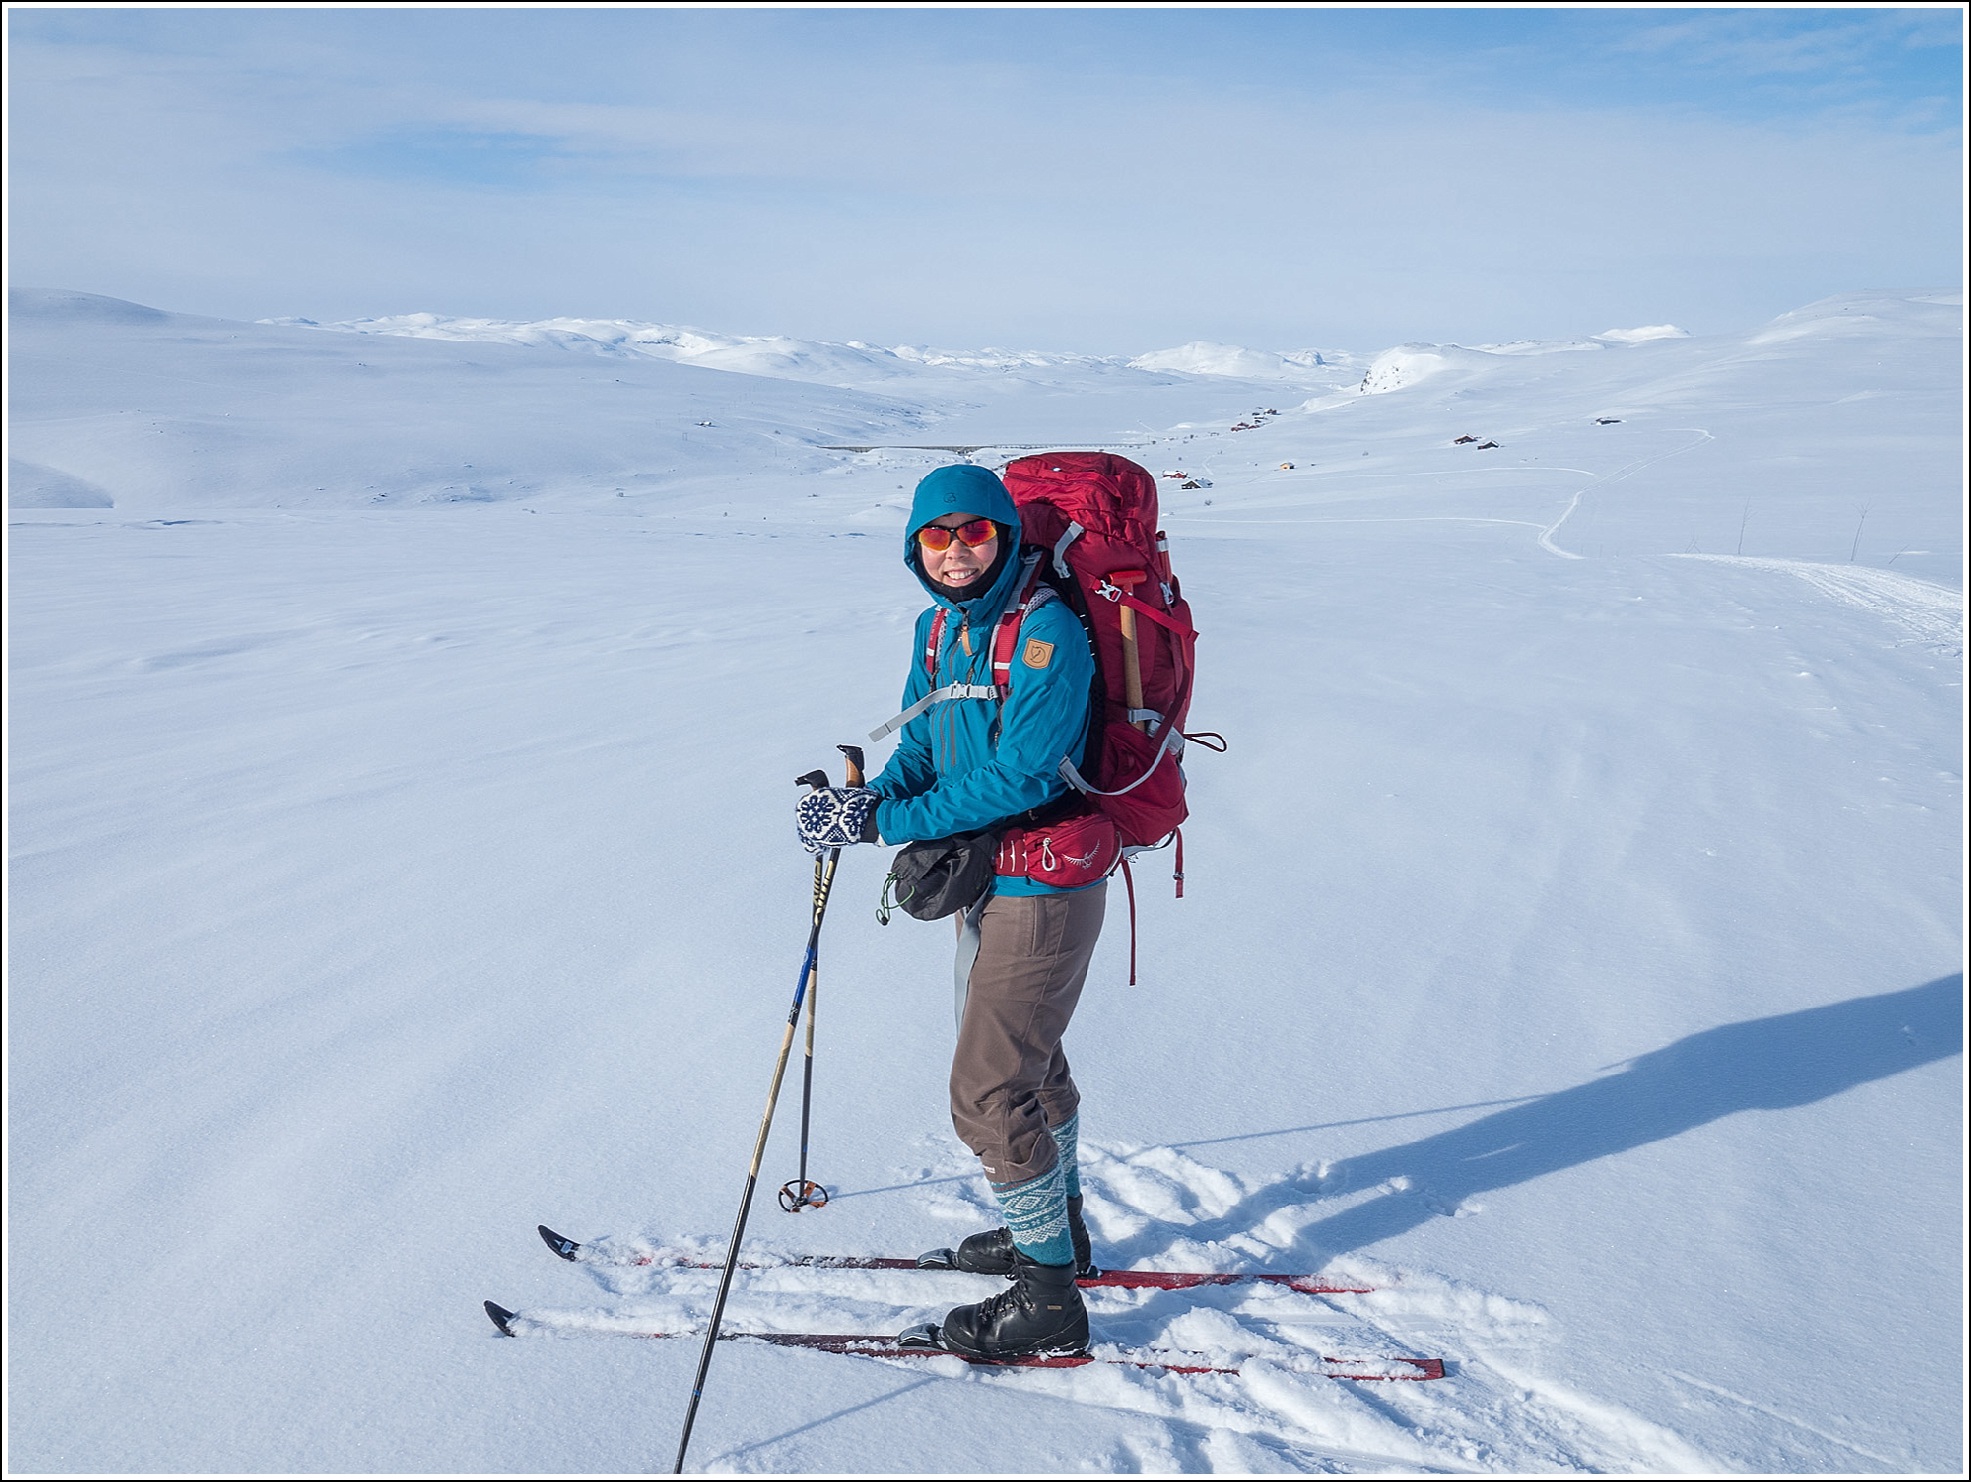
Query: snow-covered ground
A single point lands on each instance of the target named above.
(403, 725)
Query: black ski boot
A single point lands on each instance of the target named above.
(990, 1252)
(1040, 1313)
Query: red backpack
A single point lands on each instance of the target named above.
(1094, 518)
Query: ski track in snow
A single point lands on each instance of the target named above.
(1929, 613)
(1547, 535)
(1494, 1411)
(1902, 1462)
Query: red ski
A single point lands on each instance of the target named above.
(923, 1343)
(1165, 1281)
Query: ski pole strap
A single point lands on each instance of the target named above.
(949, 692)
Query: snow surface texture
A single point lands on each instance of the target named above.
(403, 854)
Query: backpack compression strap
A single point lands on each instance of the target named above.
(1187, 637)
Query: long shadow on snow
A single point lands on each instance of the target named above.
(1756, 1065)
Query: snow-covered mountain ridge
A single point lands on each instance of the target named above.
(850, 362)
(855, 362)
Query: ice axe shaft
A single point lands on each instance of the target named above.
(1132, 659)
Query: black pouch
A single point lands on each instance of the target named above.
(934, 878)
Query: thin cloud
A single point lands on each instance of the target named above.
(1845, 50)
(923, 179)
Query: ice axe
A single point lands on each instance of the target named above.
(1132, 659)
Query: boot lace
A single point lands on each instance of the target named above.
(1001, 1302)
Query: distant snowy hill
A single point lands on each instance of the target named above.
(1644, 332)
(402, 728)
(1298, 367)
(116, 400)
(843, 364)
(855, 363)
(847, 363)
(167, 409)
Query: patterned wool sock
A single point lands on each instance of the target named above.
(1065, 1137)
(1037, 1214)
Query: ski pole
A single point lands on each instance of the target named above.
(803, 1193)
(824, 879)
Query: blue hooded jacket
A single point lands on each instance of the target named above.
(951, 772)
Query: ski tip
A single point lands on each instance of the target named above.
(561, 1245)
(501, 1317)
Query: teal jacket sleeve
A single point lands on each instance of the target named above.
(1043, 721)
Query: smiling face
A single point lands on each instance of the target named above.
(958, 565)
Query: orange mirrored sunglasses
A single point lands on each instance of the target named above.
(974, 533)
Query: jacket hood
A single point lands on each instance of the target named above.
(965, 488)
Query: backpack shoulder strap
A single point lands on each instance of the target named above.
(1033, 592)
(933, 643)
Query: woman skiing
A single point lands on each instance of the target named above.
(971, 756)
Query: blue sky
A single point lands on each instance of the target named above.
(1078, 179)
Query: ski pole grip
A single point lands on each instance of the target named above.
(853, 754)
(815, 780)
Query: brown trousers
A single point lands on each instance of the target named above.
(1009, 1075)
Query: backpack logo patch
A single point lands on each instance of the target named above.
(1038, 653)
